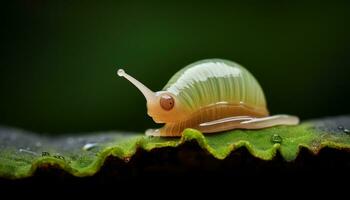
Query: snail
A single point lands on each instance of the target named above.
(211, 95)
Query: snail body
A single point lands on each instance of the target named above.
(211, 95)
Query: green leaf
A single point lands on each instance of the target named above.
(21, 152)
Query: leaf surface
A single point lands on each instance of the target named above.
(22, 152)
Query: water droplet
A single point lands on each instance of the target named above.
(27, 151)
(89, 146)
(345, 130)
(44, 153)
(276, 139)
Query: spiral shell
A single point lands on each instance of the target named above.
(215, 81)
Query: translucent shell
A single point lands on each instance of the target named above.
(214, 81)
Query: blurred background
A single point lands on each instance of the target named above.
(59, 58)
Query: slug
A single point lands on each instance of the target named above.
(211, 95)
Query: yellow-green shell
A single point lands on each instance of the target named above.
(211, 81)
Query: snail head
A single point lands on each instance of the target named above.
(162, 106)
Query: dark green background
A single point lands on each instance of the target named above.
(59, 58)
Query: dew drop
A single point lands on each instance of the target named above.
(345, 130)
(276, 139)
(89, 146)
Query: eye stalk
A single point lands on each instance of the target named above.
(149, 94)
(167, 102)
